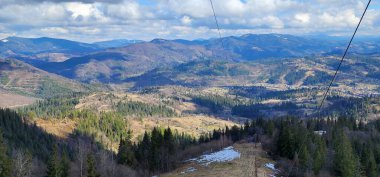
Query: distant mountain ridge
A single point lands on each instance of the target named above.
(28, 46)
(120, 64)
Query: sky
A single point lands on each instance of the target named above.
(97, 20)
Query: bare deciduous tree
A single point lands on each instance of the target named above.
(22, 164)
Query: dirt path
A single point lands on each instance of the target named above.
(250, 164)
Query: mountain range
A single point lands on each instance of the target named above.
(234, 60)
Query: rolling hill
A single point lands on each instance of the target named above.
(121, 64)
(358, 76)
(21, 78)
(116, 64)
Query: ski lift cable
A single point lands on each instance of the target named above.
(337, 69)
(342, 59)
(335, 74)
(217, 24)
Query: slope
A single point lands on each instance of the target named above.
(18, 77)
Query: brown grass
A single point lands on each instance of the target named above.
(251, 163)
(10, 100)
(193, 125)
(60, 128)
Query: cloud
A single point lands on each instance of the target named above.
(91, 20)
(186, 20)
(302, 18)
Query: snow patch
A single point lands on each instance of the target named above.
(270, 166)
(225, 155)
(273, 168)
(189, 170)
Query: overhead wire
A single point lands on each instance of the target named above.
(342, 59)
(335, 74)
(219, 32)
(337, 69)
(217, 24)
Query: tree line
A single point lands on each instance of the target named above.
(140, 109)
(215, 103)
(162, 150)
(302, 147)
(305, 147)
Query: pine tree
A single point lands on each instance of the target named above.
(65, 165)
(126, 155)
(304, 157)
(5, 161)
(53, 165)
(319, 156)
(368, 162)
(156, 143)
(344, 159)
(169, 140)
(144, 151)
(91, 168)
(168, 149)
(286, 142)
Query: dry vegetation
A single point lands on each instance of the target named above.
(194, 125)
(59, 128)
(10, 100)
(250, 164)
(19, 77)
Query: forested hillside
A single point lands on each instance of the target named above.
(148, 108)
(18, 77)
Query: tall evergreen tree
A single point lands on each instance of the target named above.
(286, 142)
(319, 155)
(126, 154)
(168, 149)
(304, 158)
(144, 151)
(65, 164)
(344, 159)
(368, 162)
(53, 165)
(154, 155)
(5, 161)
(91, 167)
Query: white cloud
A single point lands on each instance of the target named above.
(342, 19)
(302, 17)
(186, 20)
(54, 30)
(90, 20)
(127, 10)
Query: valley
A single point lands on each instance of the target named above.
(143, 108)
(195, 88)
